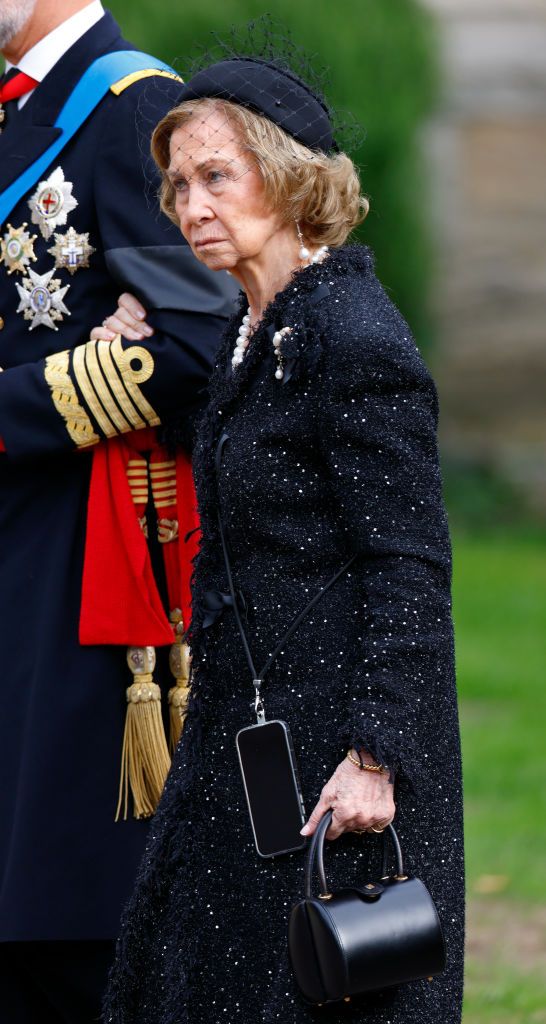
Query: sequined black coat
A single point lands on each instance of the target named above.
(340, 457)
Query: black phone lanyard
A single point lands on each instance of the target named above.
(258, 677)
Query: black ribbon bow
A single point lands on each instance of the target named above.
(215, 603)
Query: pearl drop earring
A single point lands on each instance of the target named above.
(304, 251)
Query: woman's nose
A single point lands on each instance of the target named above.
(198, 208)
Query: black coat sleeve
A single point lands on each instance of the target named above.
(379, 444)
(77, 397)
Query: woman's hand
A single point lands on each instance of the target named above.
(128, 320)
(360, 801)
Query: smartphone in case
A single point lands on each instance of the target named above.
(275, 802)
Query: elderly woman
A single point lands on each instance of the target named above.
(317, 447)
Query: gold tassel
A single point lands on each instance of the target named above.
(145, 756)
(179, 695)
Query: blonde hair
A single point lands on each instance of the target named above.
(320, 192)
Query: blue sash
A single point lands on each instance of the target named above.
(87, 94)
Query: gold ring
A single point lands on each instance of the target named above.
(378, 831)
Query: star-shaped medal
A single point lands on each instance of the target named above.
(52, 202)
(17, 249)
(71, 250)
(42, 299)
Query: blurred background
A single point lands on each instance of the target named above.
(452, 96)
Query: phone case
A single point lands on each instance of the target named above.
(259, 780)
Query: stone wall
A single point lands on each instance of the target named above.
(486, 148)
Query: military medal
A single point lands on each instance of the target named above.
(52, 202)
(42, 299)
(72, 250)
(17, 249)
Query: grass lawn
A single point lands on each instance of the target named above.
(500, 621)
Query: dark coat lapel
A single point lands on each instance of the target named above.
(32, 131)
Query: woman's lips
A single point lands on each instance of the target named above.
(207, 241)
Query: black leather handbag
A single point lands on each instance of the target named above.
(364, 938)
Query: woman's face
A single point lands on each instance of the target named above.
(220, 197)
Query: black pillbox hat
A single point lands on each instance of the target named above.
(266, 89)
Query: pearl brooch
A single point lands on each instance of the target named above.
(242, 342)
(277, 340)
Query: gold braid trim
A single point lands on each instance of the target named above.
(120, 394)
(131, 378)
(65, 400)
(120, 86)
(163, 483)
(86, 388)
(101, 388)
(137, 477)
(109, 385)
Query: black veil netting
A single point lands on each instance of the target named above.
(259, 66)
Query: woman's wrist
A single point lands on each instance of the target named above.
(364, 761)
(360, 754)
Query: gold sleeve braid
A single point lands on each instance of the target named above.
(94, 376)
(133, 377)
(109, 384)
(66, 402)
(108, 381)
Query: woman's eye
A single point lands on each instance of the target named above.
(215, 176)
(180, 184)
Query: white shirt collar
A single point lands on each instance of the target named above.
(39, 61)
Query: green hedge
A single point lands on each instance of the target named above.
(381, 59)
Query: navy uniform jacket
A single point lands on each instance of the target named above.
(65, 866)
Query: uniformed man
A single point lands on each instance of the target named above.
(77, 227)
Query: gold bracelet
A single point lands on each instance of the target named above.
(367, 767)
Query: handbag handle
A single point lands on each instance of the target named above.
(316, 855)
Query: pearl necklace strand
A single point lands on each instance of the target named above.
(242, 342)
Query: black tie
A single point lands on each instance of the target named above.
(10, 108)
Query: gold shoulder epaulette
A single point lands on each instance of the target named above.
(118, 87)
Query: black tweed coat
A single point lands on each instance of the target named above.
(339, 457)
